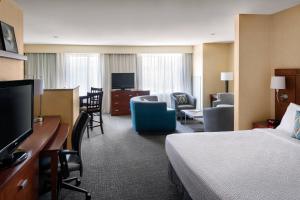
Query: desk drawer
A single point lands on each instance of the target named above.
(24, 185)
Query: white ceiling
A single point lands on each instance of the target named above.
(137, 22)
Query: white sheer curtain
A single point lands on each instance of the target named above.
(83, 69)
(163, 74)
(116, 63)
(42, 65)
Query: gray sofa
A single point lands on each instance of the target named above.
(192, 101)
(218, 119)
(224, 99)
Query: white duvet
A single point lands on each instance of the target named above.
(262, 164)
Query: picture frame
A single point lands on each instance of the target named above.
(8, 38)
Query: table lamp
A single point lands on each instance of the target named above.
(278, 83)
(226, 76)
(38, 91)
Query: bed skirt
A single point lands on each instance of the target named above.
(184, 195)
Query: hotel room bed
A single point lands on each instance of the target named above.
(254, 164)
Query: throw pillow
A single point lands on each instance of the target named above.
(182, 99)
(297, 125)
(287, 123)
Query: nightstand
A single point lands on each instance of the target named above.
(262, 124)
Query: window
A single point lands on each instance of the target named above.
(163, 74)
(84, 70)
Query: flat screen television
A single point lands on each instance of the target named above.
(16, 119)
(122, 81)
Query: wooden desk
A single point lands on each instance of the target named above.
(21, 181)
(51, 150)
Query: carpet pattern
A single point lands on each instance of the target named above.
(122, 165)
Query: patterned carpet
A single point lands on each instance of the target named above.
(122, 165)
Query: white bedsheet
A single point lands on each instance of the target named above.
(255, 164)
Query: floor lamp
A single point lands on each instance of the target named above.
(39, 91)
(226, 76)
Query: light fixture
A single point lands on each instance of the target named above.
(38, 91)
(278, 83)
(226, 76)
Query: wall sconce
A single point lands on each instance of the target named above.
(278, 83)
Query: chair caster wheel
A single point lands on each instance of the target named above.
(78, 182)
(88, 196)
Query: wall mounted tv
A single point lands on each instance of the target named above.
(122, 81)
(16, 119)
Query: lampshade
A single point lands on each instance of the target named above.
(226, 76)
(278, 82)
(38, 87)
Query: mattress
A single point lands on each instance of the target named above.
(255, 164)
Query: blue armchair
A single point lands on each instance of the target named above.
(149, 115)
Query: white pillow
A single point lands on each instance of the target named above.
(287, 123)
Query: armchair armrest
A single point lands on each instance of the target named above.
(174, 102)
(216, 102)
(192, 100)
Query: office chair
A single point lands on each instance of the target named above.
(70, 160)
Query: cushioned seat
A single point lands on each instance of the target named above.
(185, 107)
(73, 163)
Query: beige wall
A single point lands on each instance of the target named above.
(285, 42)
(264, 42)
(42, 48)
(253, 70)
(217, 58)
(11, 14)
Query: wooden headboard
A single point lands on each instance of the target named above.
(292, 77)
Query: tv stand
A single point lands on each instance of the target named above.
(13, 159)
(120, 100)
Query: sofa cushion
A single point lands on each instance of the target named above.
(182, 99)
(185, 107)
